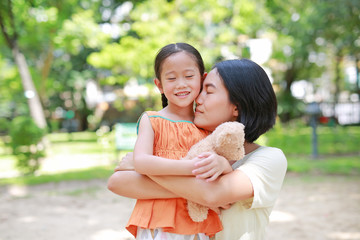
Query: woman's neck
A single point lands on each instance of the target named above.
(250, 147)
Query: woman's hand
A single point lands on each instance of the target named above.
(210, 166)
(126, 163)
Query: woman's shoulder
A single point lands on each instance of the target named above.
(268, 156)
(272, 151)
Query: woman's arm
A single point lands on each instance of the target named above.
(146, 163)
(134, 185)
(229, 188)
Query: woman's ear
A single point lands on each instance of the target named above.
(235, 112)
(158, 84)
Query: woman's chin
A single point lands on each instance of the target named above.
(201, 124)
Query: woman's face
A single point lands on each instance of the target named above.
(213, 104)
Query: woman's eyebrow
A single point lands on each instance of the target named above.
(207, 85)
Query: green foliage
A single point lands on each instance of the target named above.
(4, 125)
(81, 31)
(297, 140)
(26, 144)
(214, 31)
(289, 107)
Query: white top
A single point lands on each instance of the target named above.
(247, 220)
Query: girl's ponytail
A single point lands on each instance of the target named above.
(164, 100)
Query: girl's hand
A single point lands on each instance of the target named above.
(210, 166)
(126, 163)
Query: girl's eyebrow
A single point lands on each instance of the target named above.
(185, 70)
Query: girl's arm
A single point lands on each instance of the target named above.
(229, 188)
(128, 183)
(134, 185)
(146, 163)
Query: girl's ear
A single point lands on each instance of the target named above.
(204, 76)
(158, 84)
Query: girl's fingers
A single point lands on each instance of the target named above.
(213, 177)
(207, 174)
(200, 170)
(202, 162)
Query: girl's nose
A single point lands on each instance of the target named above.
(181, 83)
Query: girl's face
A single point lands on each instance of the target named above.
(213, 104)
(180, 79)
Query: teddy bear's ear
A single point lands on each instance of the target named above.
(229, 141)
(221, 133)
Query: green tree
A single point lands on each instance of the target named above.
(55, 37)
(313, 37)
(295, 24)
(10, 31)
(216, 28)
(340, 28)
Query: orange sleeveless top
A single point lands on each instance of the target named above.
(172, 139)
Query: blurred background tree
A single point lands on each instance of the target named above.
(76, 65)
(73, 46)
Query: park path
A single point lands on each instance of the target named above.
(312, 207)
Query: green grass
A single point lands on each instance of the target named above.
(337, 165)
(330, 165)
(331, 140)
(73, 137)
(78, 175)
(339, 153)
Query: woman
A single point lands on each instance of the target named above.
(234, 90)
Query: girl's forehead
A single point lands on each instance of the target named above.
(178, 61)
(185, 56)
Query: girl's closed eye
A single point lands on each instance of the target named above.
(189, 76)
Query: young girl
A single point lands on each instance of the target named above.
(170, 133)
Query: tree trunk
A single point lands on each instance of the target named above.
(36, 110)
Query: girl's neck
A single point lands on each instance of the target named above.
(176, 113)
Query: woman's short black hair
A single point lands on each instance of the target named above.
(251, 91)
(171, 49)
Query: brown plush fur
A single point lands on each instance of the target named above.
(226, 140)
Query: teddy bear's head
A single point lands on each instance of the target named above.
(229, 140)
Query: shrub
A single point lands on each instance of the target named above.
(26, 144)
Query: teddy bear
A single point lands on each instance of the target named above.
(226, 140)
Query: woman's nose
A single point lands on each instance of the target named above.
(199, 100)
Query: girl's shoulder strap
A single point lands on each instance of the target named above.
(149, 114)
(152, 113)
